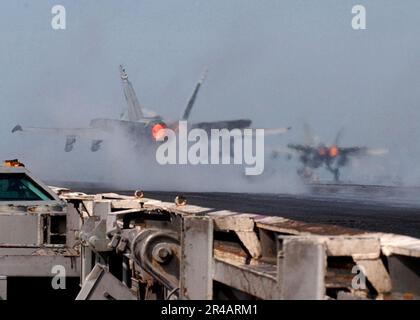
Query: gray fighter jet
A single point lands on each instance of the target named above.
(332, 157)
(138, 124)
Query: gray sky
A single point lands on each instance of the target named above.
(277, 62)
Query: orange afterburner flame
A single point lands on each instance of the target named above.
(334, 152)
(158, 131)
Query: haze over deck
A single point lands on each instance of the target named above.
(277, 62)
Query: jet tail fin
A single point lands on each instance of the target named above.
(338, 136)
(135, 111)
(193, 98)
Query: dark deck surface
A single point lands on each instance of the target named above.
(370, 208)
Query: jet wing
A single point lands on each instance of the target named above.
(236, 124)
(352, 150)
(71, 134)
(299, 148)
(361, 151)
(276, 131)
(79, 132)
(229, 124)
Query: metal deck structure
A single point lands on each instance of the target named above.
(133, 247)
(33, 235)
(161, 250)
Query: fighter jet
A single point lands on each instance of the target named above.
(138, 124)
(332, 157)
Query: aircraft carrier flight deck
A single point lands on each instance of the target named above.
(371, 208)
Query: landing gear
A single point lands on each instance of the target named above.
(335, 172)
(336, 175)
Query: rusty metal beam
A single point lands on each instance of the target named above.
(259, 281)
